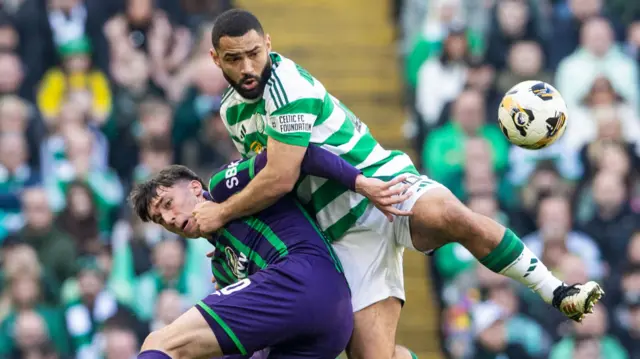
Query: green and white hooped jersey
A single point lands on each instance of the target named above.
(296, 109)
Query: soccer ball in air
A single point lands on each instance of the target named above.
(532, 115)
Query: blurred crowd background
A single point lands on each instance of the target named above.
(575, 204)
(97, 95)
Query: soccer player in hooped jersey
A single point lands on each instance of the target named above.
(283, 291)
(274, 103)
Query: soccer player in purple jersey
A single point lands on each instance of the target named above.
(283, 286)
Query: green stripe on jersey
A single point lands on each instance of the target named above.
(280, 87)
(231, 278)
(327, 110)
(336, 129)
(221, 279)
(242, 248)
(252, 168)
(326, 240)
(305, 74)
(244, 111)
(311, 106)
(339, 228)
(224, 327)
(226, 94)
(222, 175)
(268, 233)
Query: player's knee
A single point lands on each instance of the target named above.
(162, 341)
(457, 222)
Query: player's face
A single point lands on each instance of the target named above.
(173, 207)
(244, 61)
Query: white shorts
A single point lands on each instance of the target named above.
(371, 251)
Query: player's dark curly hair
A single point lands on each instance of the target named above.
(143, 193)
(234, 23)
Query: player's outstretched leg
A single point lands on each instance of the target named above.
(440, 218)
(188, 337)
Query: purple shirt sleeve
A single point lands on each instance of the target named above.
(318, 162)
(321, 163)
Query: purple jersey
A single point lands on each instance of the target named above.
(249, 244)
(283, 287)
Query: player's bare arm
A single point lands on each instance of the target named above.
(274, 181)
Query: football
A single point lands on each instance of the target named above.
(532, 115)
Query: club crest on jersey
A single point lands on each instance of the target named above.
(256, 147)
(237, 264)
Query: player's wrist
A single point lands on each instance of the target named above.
(225, 214)
(359, 183)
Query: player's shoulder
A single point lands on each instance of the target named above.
(227, 97)
(290, 82)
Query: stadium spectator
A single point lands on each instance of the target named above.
(94, 304)
(625, 311)
(497, 334)
(76, 76)
(169, 306)
(556, 237)
(444, 149)
(15, 172)
(31, 337)
(156, 153)
(441, 79)
(9, 37)
(201, 99)
(525, 61)
(26, 287)
(512, 21)
(80, 219)
(144, 26)
(120, 342)
(601, 103)
(105, 184)
(568, 18)
(11, 73)
(169, 271)
(72, 118)
(55, 248)
(19, 116)
(633, 41)
(614, 221)
(428, 41)
(597, 56)
(590, 340)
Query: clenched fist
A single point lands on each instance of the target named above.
(208, 217)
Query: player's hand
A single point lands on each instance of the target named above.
(384, 195)
(208, 217)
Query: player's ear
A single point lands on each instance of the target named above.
(214, 56)
(196, 188)
(267, 42)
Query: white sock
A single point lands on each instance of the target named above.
(513, 259)
(530, 271)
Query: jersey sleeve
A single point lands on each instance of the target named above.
(235, 176)
(293, 103)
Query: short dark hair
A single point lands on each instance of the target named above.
(142, 194)
(234, 23)
(156, 144)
